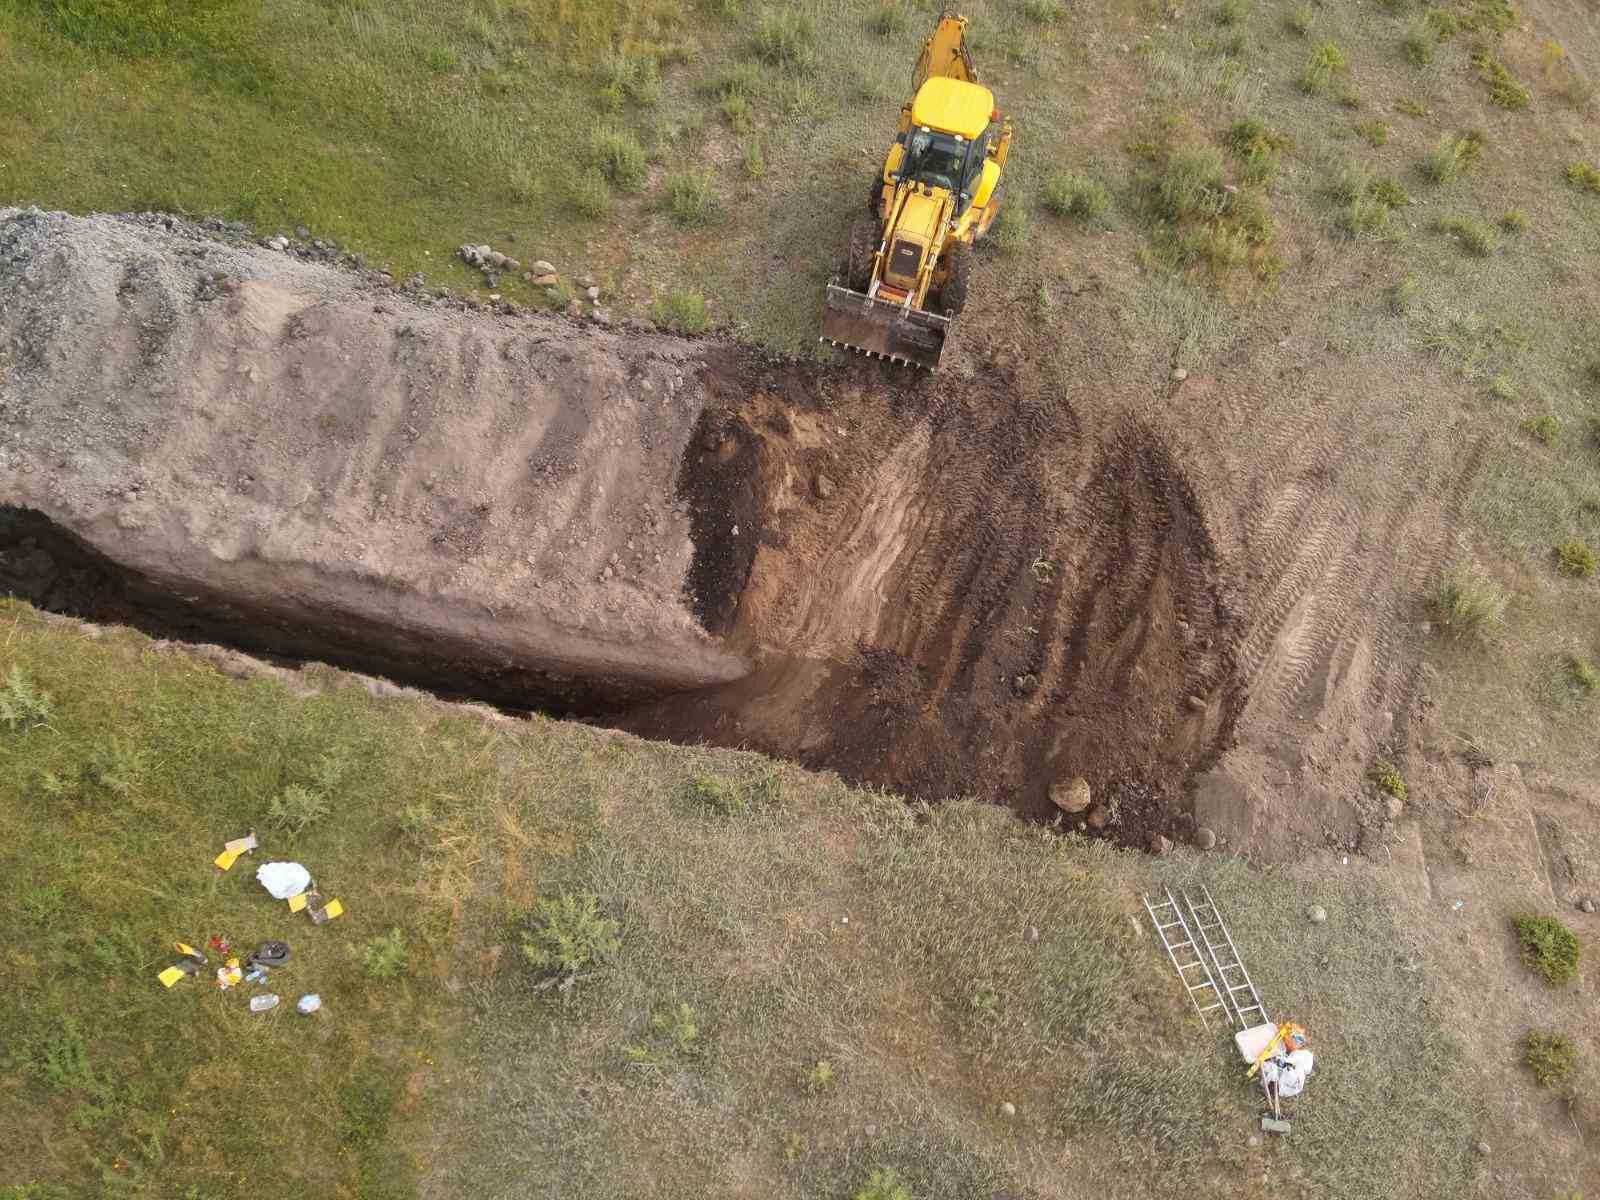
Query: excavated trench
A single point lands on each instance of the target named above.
(945, 586)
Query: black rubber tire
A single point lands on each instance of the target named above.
(863, 245)
(953, 296)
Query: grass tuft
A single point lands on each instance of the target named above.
(23, 704)
(384, 955)
(1324, 65)
(1257, 147)
(1468, 604)
(1584, 177)
(883, 1184)
(591, 195)
(570, 935)
(1010, 232)
(888, 20)
(1044, 12)
(1514, 221)
(620, 158)
(788, 40)
(1452, 154)
(1403, 293)
(1575, 560)
(1544, 429)
(1068, 193)
(1299, 19)
(1389, 781)
(1190, 185)
(1476, 237)
(1420, 44)
(681, 312)
(1503, 89)
(1549, 948)
(688, 196)
(1232, 12)
(1551, 1056)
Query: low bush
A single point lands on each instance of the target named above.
(1452, 154)
(732, 794)
(1403, 293)
(752, 161)
(1190, 184)
(1476, 237)
(1468, 604)
(1514, 221)
(1575, 559)
(569, 935)
(1010, 231)
(1231, 12)
(883, 1184)
(1322, 67)
(1299, 19)
(1544, 429)
(681, 312)
(688, 196)
(1043, 12)
(1374, 133)
(1549, 1055)
(1503, 89)
(819, 1076)
(1584, 177)
(1582, 674)
(1389, 781)
(620, 158)
(888, 20)
(591, 194)
(1363, 215)
(383, 956)
(1067, 193)
(1257, 146)
(23, 704)
(1549, 948)
(788, 40)
(1420, 43)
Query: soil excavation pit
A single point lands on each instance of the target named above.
(942, 586)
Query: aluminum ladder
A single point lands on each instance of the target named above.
(1187, 958)
(1242, 1001)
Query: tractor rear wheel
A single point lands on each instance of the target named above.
(863, 245)
(953, 296)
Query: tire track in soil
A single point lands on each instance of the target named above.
(969, 670)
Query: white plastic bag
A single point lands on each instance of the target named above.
(283, 879)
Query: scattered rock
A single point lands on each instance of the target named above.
(527, 277)
(1009, 1109)
(1071, 797)
(823, 486)
(541, 267)
(494, 260)
(1159, 843)
(1253, 1140)
(1196, 703)
(1204, 838)
(301, 232)
(592, 292)
(871, 1131)
(1180, 374)
(1032, 933)
(1396, 806)
(544, 279)
(1099, 816)
(1316, 914)
(585, 281)
(278, 243)
(1586, 905)
(1483, 1149)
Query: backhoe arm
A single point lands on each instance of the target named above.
(945, 53)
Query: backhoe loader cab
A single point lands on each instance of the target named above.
(937, 194)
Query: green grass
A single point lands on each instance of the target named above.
(1549, 948)
(1451, 155)
(787, 39)
(1190, 185)
(1503, 89)
(539, 911)
(1476, 237)
(1420, 44)
(620, 158)
(1550, 1055)
(1584, 177)
(1575, 559)
(1299, 20)
(1544, 428)
(1071, 194)
(681, 311)
(1468, 604)
(689, 196)
(1257, 146)
(1325, 64)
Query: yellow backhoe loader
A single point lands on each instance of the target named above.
(938, 193)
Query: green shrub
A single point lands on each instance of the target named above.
(883, 1184)
(1299, 19)
(1575, 559)
(678, 1026)
(731, 795)
(1249, 213)
(1550, 1056)
(23, 705)
(383, 956)
(1476, 237)
(1231, 12)
(752, 162)
(1350, 183)
(620, 158)
(819, 1076)
(1452, 154)
(688, 196)
(1257, 146)
(1389, 780)
(1441, 22)
(440, 60)
(1514, 221)
(1548, 948)
(1581, 673)
(628, 76)
(1325, 63)
(1190, 184)
(292, 809)
(1010, 231)
(1467, 603)
(1411, 106)
(736, 111)
(1504, 389)
(1043, 12)
(1363, 215)
(888, 20)
(1544, 429)
(1419, 44)
(742, 79)
(1067, 193)
(788, 40)
(1579, 90)
(1374, 133)
(570, 935)
(681, 312)
(1403, 293)
(1584, 177)
(1503, 89)
(1388, 191)
(1488, 16)
(591, 194)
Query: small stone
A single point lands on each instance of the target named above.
(495, 259)
(301, 232)
(512, 264)
(824, 487)
(1316, 914)
(1180, 374)
(1483, 1149)
(1099, 816)
(1196, 703)
(1009, 1109)
(1204, 838)
(1396, 806)
(278, 243)
(1071, 797)
(1159, 844)
(592, 292)
(1586, 905)
(1253, 1140)
(871, 1131)
(546, 280)
(585, 281)
(1032, 933)
(494, 297)
(541, 267)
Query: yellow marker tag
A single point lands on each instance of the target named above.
(296, 903)
(185, 948)
(333, 909)
(226, 859)
(170, 976)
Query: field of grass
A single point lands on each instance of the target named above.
(810, 983)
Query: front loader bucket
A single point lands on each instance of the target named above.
(883, 330)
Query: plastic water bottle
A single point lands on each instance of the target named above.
(264, 1002)
(309, 1003)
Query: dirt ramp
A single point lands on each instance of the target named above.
(957, 589)
(306, 453)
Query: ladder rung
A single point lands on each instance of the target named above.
(1179, 945)
(1169, 925)
(1241, 987)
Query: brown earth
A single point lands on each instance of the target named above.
(1049, 561)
